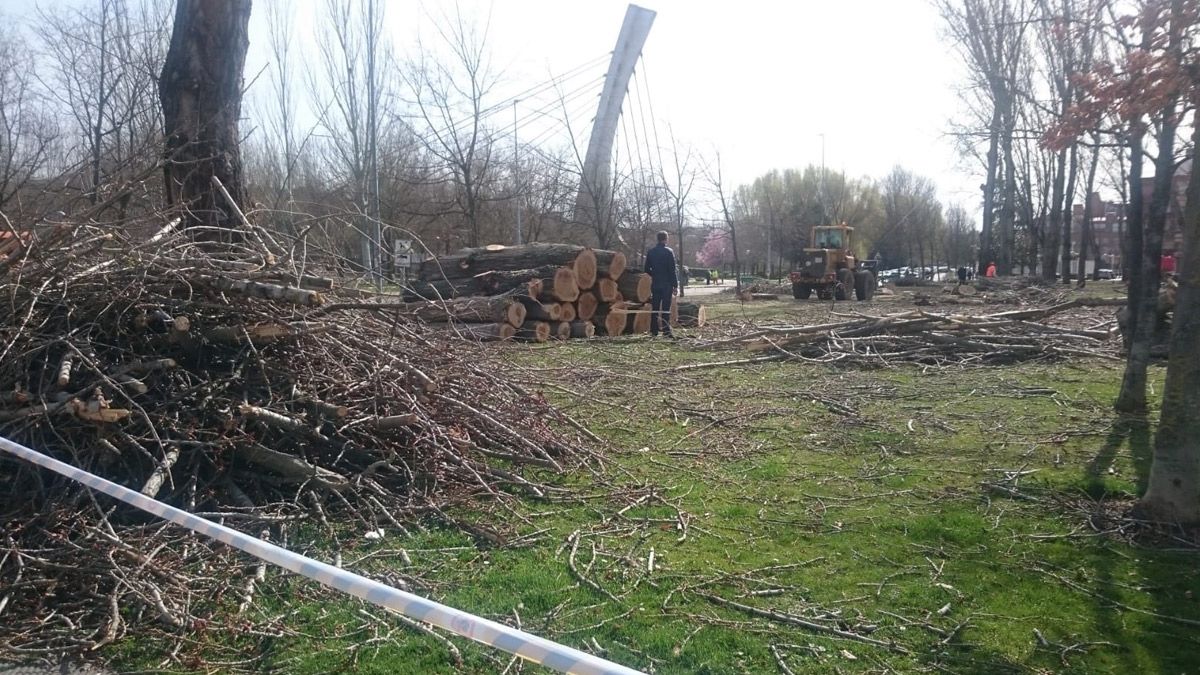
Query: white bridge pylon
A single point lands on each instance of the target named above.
(595, 189)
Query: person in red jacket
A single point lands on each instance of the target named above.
(1166, 266)
(991, 270)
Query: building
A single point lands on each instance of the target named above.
(1108, 221)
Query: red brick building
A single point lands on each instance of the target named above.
(1108, 221)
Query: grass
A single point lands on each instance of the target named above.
(963, 516)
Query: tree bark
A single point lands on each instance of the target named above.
(486, 309)
(689, 314)
(541, 311)
(201, 93)
(582, 329)
(534, 331)
(1053, 231)
(1068, 212)
(610, 264)
(472, 261)
(1173, 492)
(1132, 398)
(1085, 229)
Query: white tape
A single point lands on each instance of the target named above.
(530, 647)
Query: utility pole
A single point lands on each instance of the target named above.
(517, 171)
(824, 213)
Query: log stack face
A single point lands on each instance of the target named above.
(537, 292)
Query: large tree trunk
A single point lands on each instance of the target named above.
(634, 287)
(494, 309)
(1052, 233)
(472, 261)
(987, 251)
(1173, 493)
(1068, 213)
(1085, 229)
(201, 93)
(1132, 398)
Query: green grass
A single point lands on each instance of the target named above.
(957, 514)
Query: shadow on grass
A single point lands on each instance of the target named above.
(1151, 633)
(1131, 431)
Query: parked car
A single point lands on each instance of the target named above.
(1105, 274)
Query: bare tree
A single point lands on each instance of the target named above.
(26, 131)
(991, 37)
(103, 63)
(449, 99)
(716, 183)
(678, 188)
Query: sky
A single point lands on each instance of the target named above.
(767, 84)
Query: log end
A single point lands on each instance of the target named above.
(585, 269)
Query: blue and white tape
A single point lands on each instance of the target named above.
(530, 647)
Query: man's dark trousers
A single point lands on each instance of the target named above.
(660, 301)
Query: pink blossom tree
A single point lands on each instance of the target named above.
(716, 250)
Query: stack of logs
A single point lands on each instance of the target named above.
(536, 292)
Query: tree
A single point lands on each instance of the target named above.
(1157, 78)
(990, 35)
(717, 184)
(201, 92)
(715, 251)
(1173, 491)
(26, 133)
(678, 187)
(104, 62)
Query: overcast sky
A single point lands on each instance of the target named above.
(757, 80)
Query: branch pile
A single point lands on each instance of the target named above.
(208, 376)
(536, 292)
(938, 339)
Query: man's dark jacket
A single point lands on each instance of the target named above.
(660, 265)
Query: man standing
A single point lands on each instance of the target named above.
(664, 283)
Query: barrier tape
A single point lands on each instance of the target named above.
(530, 647)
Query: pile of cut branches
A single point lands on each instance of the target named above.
(222, 378)
(937, 339)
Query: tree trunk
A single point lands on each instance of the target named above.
(567, 311)
(610, 264)
(1085, 229)
(634, 287)
(1173, 493)
(585, 306)
(1132, 398)
(201, 93)
(688, 314)
(487, 331)
(472, 261)
(562, 287)
(1052, 234)
(987, 251)
(582, 329)
(1068, 213)
(607, 290)
(534, 331)
(493, 309)
(541, 311)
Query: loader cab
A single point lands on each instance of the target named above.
(831, 237)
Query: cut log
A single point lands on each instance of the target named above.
(541, 311)
(610, 264)
(568, 311)
(562, 287)
(494, 309)
(486, 332)
(585, 269)
(634, 286)
(441, 289)
(258, 289)
(534, 331)
(610, 318)
(607, 290)
(582, 329)
(472, 261)
(562, 330)
(505, 281)
(585, 306)
(637, 319)
(689, 314)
